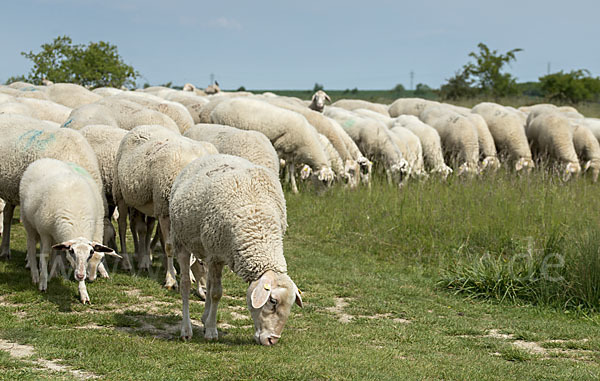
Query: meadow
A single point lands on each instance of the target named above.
(496, 277)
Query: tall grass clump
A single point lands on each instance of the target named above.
(506, 236)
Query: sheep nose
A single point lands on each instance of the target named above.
(79, 276)
(272, 340)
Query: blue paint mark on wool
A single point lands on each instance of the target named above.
(36, 139)
(66, 124)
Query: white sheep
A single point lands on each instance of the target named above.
(353, 104)
(62, 208)
(550, 134)
(508, 131)
(228, 211)
(251, 145)
(317, 102)
(147, 162)
(70, 95)
(36, 108)
(107, 91)
(117, 112)
(192, 102)
(176, 111)
(333, 157)
(433, 156)
(411, 148)
(408, 106)
(344, 145)
(38, 92)
(458, 136)
(25, 140)
(587, 148)
(294, 139)
(374, 140)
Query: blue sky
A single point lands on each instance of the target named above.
(293, 44)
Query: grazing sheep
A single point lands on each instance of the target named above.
(107, 91)
(213, 89)
(25, 140)
(411, 148)
(228, 211)
(508, 131)
(385, 120)
(374, 140)
(333, 157)
(105, 141)
(587, 148)
(353, 104)
(204, 114)
(71, 95)
(120, 113)
(344, 145)
(251, 145)
(487, 147)
(147, 162)
(458, 136)
(317, 102)
(433, 156)
(61, 205)
(176, 111)
(27, 92)
(408, 106)
(550, 134)
(192, 103)
(36, 108)
(294, 139)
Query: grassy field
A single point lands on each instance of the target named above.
(491, 278)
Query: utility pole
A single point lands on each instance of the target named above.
(412, 78)
(212, 79)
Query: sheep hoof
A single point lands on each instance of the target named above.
(211, 334)
(201, 293)
(186, 338)
(5, 255)
(171, 286)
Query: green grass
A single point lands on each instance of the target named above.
(382, 260)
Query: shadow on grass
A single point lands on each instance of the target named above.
(16, 278)
(167, 328)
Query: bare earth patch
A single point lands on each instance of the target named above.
(341, 303)
(22, 352)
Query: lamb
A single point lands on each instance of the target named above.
(508, 131)
(147, 162)
(374, 140)
(294, 139)
(458, 136)
(61, 205)
(551, 134)
(25, 140)
(353, 104)
(317, 102)
(228, 211)
(117, 113)
(587, 148)
(251, 145)
(433, 156)
(351, 156)
(411, 148)
(408, 106)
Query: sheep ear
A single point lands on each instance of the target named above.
(63, 245)
(313, 97)
(587, 165)
(327, 97)
(262, 291)
(298, 296)
(101, 248)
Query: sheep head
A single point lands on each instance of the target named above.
(524, 163)
(570, 170)
(270, 300)
(83, 255)
(490, 162)
(318, 101)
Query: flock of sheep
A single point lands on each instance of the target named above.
(207, 166)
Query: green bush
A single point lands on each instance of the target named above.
(573, 87)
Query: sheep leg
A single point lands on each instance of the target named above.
(150, 222)
(31, 245)
(292, 174)
(102, 270)
(157, 237)
(183, 257)
(199, 272)
(165, 229)
(122, 222)
(83, 295)
(215, 290)
(45, 251)
(9, 210)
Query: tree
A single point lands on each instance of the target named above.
(484, 76)
(96, 65)
(422, 90)
(573, 87)
(399, 88)
(487, 71)
(317, 87)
